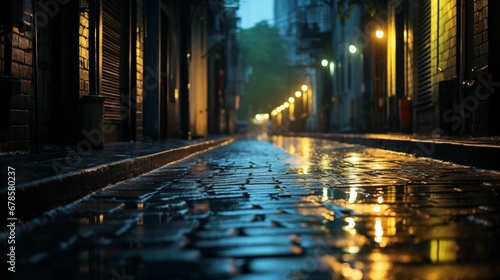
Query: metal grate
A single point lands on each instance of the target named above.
(424, 100)
(114, 58)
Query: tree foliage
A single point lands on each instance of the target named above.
(264, 56)
(344, 8)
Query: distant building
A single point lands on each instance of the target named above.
(306, 26)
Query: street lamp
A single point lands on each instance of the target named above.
(324, 62)
(298, 94)
(352, 49)
(379, 33)
(304, 87)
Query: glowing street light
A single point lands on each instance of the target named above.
(324, 62)
(291, 100)
(298, 94)
(379, 33)
(352, 49)
(304, 87)
(286, 104)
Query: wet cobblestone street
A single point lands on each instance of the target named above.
(285, 208)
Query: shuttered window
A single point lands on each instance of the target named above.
(115, 59)
(424, 100)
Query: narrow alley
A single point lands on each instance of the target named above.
(276, 208)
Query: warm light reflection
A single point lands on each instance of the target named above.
(442, 250)
(353, 194)
(305, 169)
(343, 269)
(101, 218)
(140, 206)
(352, 249)
(380, 200)
(325, 162)
(376, 208)
(350, 222)
(353, 157)
(380, 266)
(379, 231)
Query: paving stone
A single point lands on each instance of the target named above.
(338, 211)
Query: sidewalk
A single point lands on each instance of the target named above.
(60, 175)
(480, 152)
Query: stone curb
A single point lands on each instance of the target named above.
(480, 155)
(33, 198)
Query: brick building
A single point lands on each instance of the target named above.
(94, 71)
(440, 55)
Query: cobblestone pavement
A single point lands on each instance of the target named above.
(299, 209)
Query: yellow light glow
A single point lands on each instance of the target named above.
(443, 250)
(304, 87)
(379, 34)
(351, 222)
(258, 117)
(379, 231)
(266, 116)
(298, 94)
(352, 250)
(353, 193)
(291, 100)
(380, 200)
(305, 169)
(274, 112)
(286, 104)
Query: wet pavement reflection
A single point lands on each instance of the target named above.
(285, 208)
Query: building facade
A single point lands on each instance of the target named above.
(105, 71)
(399, 65)
(306, 26)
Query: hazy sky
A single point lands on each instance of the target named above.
(254, 11)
